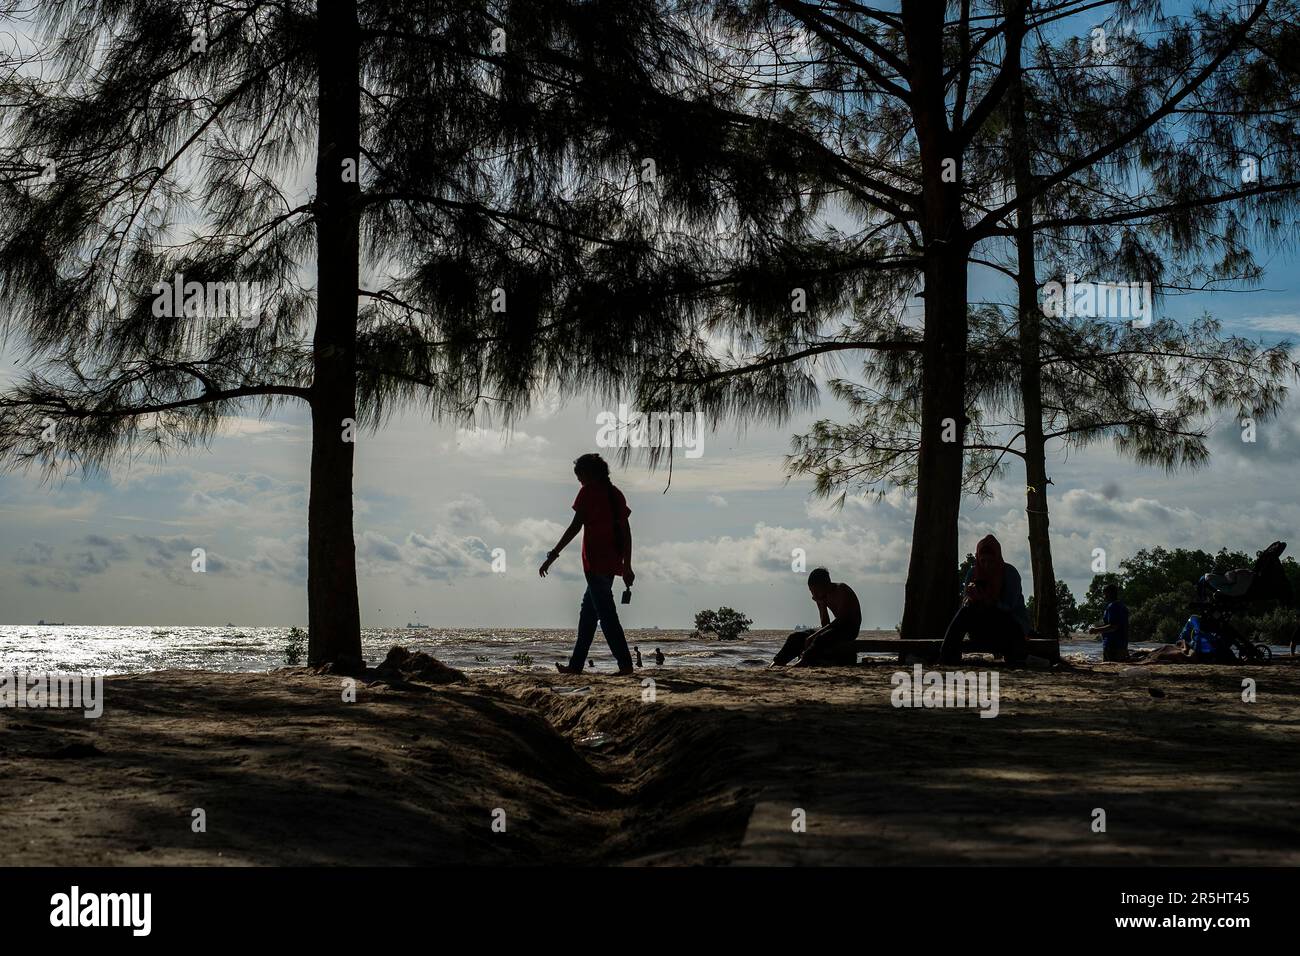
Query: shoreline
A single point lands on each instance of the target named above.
(711, 771)
(109, 651)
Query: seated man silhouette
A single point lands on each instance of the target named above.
(832, 643)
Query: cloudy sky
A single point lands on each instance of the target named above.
(433, 503)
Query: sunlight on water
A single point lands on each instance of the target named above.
(126, 650)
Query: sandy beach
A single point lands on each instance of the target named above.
(712, 771)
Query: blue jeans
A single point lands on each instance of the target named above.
(598, 605)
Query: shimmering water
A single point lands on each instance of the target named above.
(124, 650)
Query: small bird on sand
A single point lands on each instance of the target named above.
(659, 656)
(590, 662)
(638, 657)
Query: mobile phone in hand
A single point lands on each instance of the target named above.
(627, 595)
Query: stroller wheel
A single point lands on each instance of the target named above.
(1264, 651)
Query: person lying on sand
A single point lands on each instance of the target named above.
(1177, 653)
(601, 513)
(992, 610)
(1195, 645)
(832, 643)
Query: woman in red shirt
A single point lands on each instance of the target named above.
(601, 512)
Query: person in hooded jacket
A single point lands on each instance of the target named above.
(992, 612)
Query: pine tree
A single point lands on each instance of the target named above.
(453, 206)
(916, 104)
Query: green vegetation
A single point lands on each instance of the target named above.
(725, 623)
(1158, 585)
(295, 645)
(1068, 613)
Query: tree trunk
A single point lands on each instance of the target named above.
(333, 610)
(931, 591)
(1046, 611)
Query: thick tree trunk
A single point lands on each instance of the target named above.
(931, 592)
(1031, 386)
(333, 611)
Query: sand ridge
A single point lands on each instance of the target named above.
(712, 770)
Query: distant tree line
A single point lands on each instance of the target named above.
(1158, 584)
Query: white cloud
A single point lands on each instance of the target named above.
(282, 558)
(437, 556)
(769, 553)
(1081, 508)
(1288, 323)
(471, 512)
(235, 426)
(495, 443)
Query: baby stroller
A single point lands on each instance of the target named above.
(1220, 596)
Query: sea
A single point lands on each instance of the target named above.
(99, 649)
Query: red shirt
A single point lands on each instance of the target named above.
(600, 553)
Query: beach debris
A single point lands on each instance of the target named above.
(417, 665)
(594, 741)
(572, 690)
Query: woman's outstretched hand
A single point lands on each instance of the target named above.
(546, 566)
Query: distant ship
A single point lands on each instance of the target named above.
(415, 627)
(45, 623)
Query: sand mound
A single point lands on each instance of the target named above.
(705, 765)
(407, 665)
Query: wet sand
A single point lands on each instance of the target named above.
(714, 770)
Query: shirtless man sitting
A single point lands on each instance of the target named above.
(832, 642)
